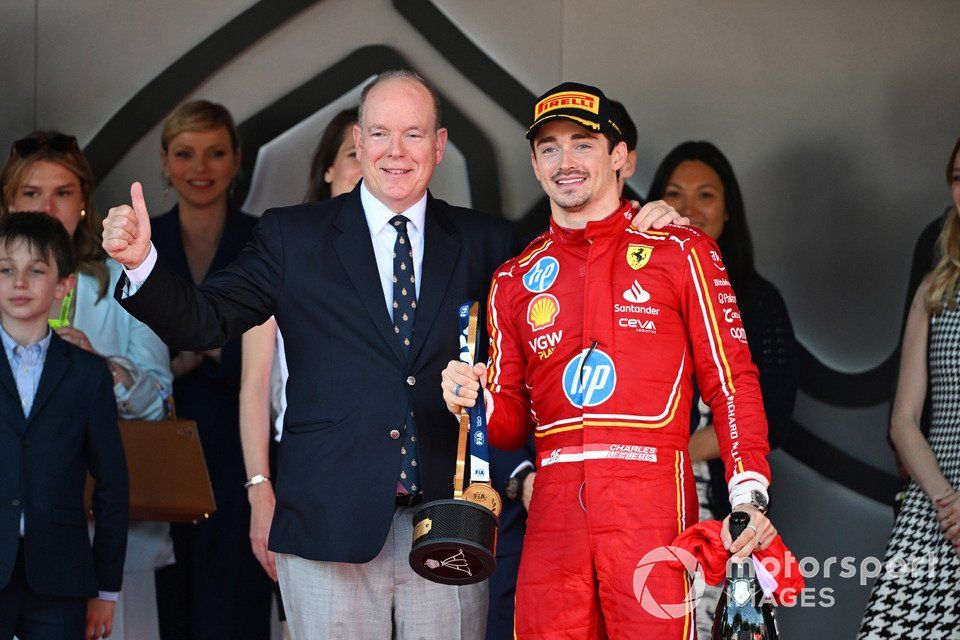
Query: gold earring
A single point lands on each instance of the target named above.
(83, 212)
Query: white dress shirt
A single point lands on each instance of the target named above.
(384, 236)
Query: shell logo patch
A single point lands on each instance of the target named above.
(638, 255)
(542, 311)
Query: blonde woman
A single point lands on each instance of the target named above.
(918, 594)
(216, 590)
(47, 172)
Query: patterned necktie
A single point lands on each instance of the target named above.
(404, 284)
(404, 312)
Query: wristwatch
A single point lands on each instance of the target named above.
(514, 486)
(759, 501)
(257, 479)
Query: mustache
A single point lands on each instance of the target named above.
(569, 174)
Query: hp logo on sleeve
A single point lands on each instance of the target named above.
(587, 384)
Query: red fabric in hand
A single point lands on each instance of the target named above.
(703, 542)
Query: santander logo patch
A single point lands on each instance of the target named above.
(636, 294)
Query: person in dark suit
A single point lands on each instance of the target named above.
(361, 390)
(59, 421)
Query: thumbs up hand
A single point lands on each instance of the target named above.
(126, 230)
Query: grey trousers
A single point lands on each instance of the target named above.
(378, 600)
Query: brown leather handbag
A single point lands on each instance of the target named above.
(169, 481)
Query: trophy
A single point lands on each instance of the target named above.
(455, 541)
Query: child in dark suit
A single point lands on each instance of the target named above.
(58, 420)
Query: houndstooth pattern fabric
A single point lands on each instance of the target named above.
(923, 601)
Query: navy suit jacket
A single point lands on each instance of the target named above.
(44, 459)
(350, 384)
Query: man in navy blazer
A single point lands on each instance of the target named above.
(357, 387)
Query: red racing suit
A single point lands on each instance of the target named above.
(595, 337)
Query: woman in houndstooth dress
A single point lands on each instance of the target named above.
(918, 595)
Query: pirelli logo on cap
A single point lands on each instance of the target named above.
(567, 100)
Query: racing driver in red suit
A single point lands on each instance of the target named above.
(596, 331)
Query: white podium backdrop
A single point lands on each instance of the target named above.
(837, 118)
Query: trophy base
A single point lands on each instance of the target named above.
(454, 542)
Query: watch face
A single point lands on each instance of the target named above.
(512, 489)
(758, 500)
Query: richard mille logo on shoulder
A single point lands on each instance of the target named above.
(716, 261)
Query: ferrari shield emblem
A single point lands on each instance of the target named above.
(638, 255)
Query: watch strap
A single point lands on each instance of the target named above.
(523, 473)
(257, 479)
(514, 485)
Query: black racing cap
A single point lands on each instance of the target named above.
(625, 122)
(580, 103)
